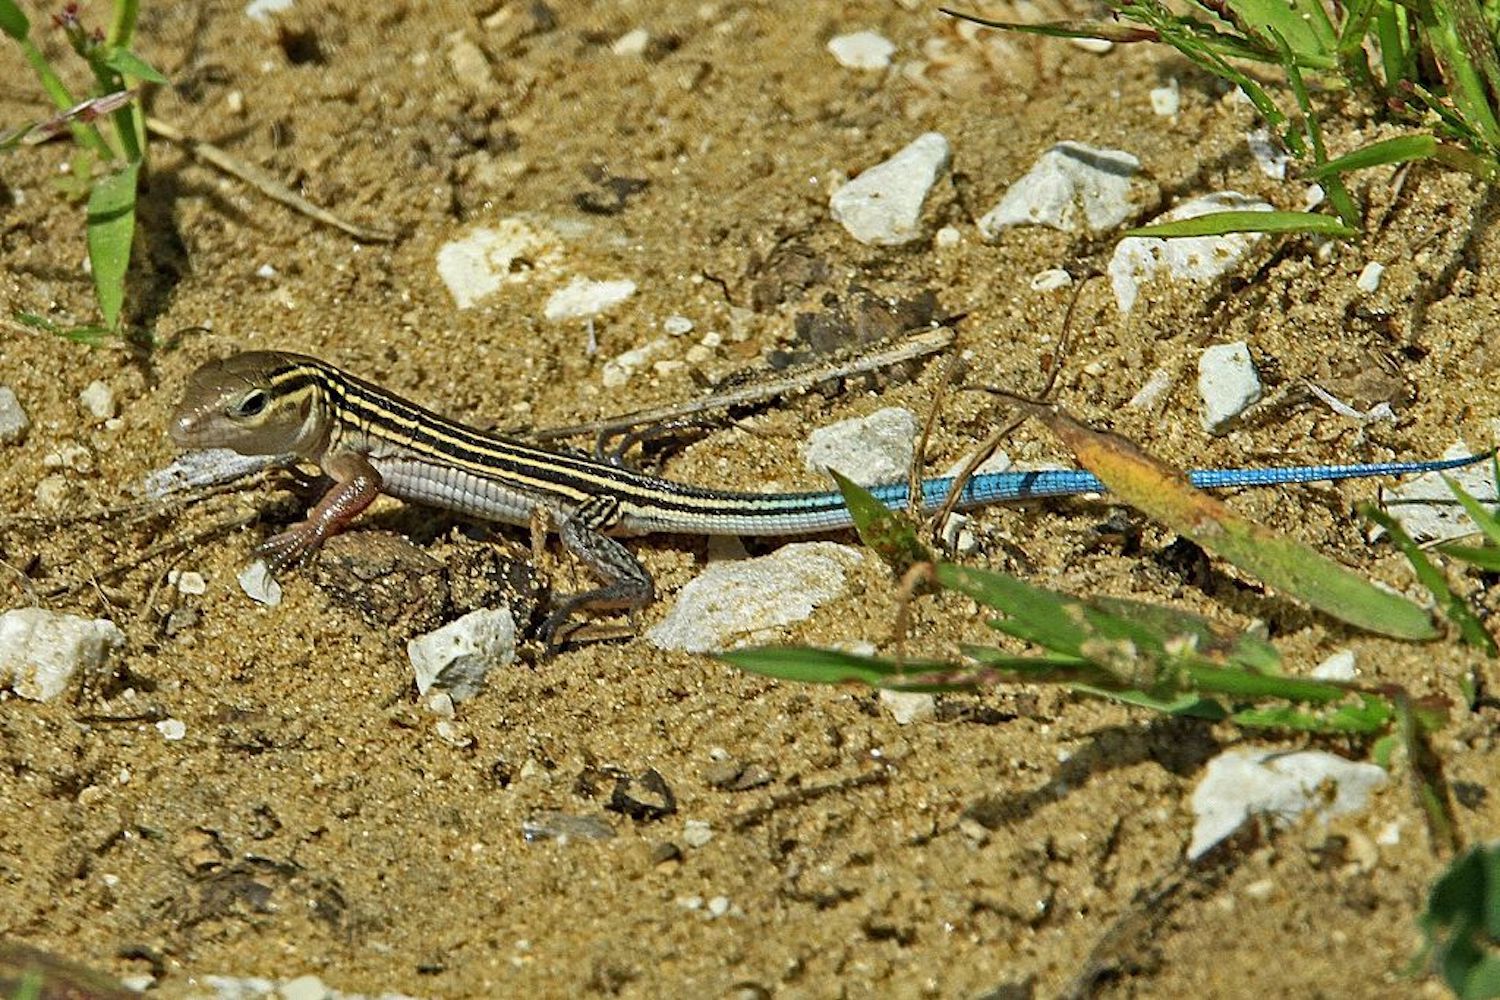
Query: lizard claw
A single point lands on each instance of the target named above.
(288, 548)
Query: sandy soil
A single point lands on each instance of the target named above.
(314, 820)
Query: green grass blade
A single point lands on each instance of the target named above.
(127, 63)
(1455, 31)
(1163, 494)
(13, 20)
(1338, 195)
(1486, 558)
(1478, 512)
(1368, 716)
(1470, 629)
(111, 228)
(1223, 223)
(814, 666)
(890, 534)
(1402, 149)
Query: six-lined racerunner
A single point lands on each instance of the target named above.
(371, 441)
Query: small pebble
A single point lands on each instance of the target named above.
(866, 50)
(907, 707)
(259, 585)
(459, 656)
(1369, 278)
(947, 237)
(99, 400)
(191, 583)
(582, 298)
(1268, 154)
(696, 833)
(732, 599)
(1228, 384)
(1138, 259)
(883, 205)
(307, 987)
(14, 423)
(1050, 280)
(869, 450)
(632, 43)
(718, 906)
(172, 729)
(1338, 667)
(41, 651)
(1245, 782)
(1166, 101)
(1066, 178)
(677, 326)
(484, 260)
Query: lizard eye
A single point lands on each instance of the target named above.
(250, 404)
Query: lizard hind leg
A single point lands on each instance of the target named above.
(627, 585)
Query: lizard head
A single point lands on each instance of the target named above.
(257, 403)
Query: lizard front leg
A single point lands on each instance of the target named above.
(356, 485)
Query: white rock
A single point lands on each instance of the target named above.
(1137, 259)
(869, 450)
(1050, 280)
(1338, 667)
(1242, 783)
(98, 400)
(258, 584)
(1166, 101)
(1228, 384)
(718, 906)
(191, 583)
(733, 599)
(696, 832)
(1098, 46)
(457, 657)
(632, 43)
(1065, 177)
(470, 66)
(1425, 506)
(582, 298)
(1156, 386)
(261, 10)
(1268, 155)
(617, 371)
(907, 707)
(947, 237)
(1369, 278)
(14, 423)
(308, 987)
(883, 205)
(862, 50)
(677, 326)
(480, 263)
(172, 730)
(42, 651)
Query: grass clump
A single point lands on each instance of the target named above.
(1431, 65)
(108, 128)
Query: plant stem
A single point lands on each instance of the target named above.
(86, 135)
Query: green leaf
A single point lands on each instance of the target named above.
(1469, 627)
(1223, 223)
(890, 534)
(1303, 23)
(1402, 149)
(13, 20)
(1486, 558)
(826, 666)
(1481, 515)
(1366, 717)
(1164, 494)
(111, 228)
(127, 63)
(1462, 923)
